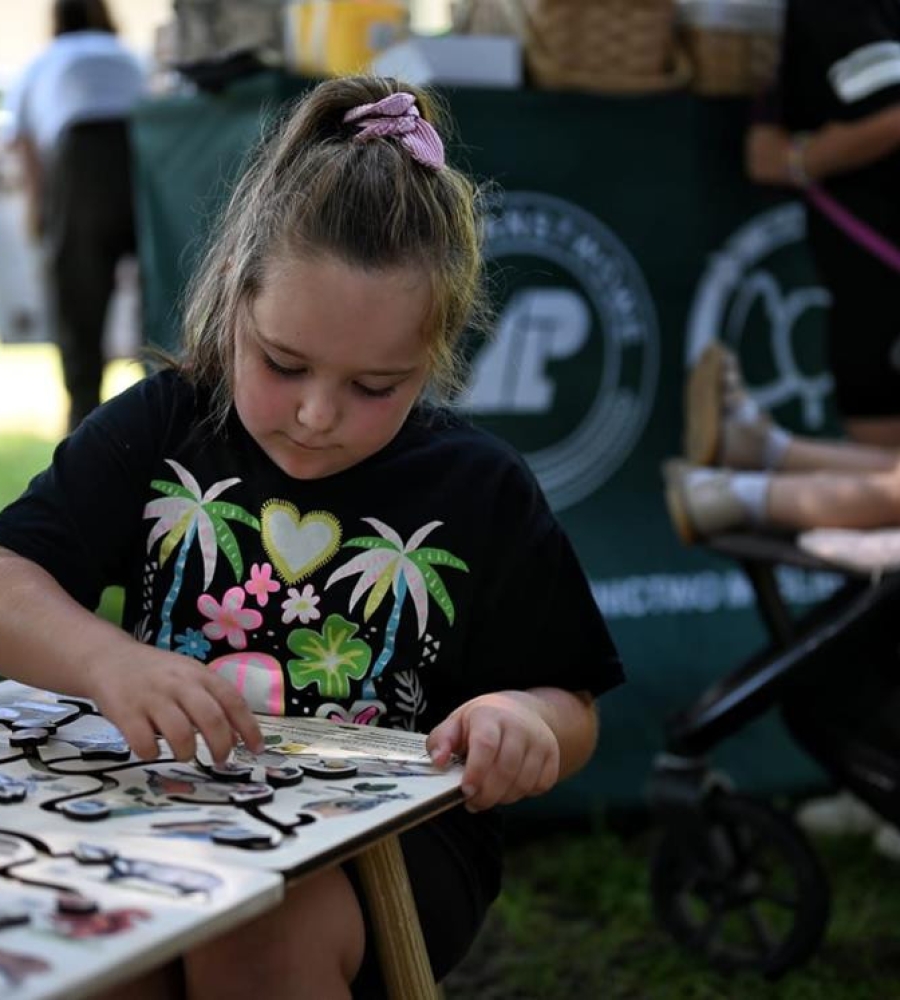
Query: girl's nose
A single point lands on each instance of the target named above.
(317, 410)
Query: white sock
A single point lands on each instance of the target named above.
(752, 492)
(777, 443)
(747, 412)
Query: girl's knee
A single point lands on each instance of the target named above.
(325, 909)
(309, 948)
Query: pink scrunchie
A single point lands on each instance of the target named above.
(397, 115)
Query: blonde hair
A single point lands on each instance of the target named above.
(311, 190)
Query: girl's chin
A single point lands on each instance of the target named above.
(306, 463)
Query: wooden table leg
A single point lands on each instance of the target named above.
(398, 933)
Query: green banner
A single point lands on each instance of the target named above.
(622, 237)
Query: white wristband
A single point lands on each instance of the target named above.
(796, 160)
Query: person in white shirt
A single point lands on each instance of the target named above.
(69, 121)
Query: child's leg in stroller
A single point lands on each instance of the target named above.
(704, 502)
(835, 499)
(725, 426)
(805, 454)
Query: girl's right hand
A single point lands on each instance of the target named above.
(155, 692)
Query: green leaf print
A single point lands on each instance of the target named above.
(171, 489)
(228, 544)
(439, 557)
(328, 659)
(438, 591)
(231, 512)
(368, 543)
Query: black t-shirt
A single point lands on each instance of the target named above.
(840, 63)
(388, 593)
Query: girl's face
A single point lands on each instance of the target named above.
(329, 362)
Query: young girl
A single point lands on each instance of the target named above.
(286, 512)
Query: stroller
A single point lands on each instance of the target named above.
(733, 879)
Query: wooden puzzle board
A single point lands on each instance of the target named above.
(79, 923)
(201, 847)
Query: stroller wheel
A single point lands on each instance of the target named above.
(749, 894)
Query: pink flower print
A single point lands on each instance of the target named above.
(229, 620)
(362, 713)
(300, 606)
(261, 584)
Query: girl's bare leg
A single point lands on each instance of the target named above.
(166, 983)
(309, 948)
(805, 454)
(835, 500)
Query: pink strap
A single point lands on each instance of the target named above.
(397, 115)
(858, 231)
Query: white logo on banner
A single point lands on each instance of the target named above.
(739, 279)
(544, 325)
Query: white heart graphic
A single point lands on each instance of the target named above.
(298, 545)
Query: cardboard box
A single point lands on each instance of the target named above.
(458, 60)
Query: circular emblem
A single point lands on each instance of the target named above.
(571, 371)
(760, 291)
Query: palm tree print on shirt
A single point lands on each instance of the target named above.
(407, 568)
(183, 514)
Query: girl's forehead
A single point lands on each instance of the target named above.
(326, 271)
(325, 306)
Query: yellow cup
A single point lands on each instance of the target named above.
(335, 37)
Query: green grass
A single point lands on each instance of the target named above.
(21, 456)
(574, 922)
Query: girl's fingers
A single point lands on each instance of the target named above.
(549, 774)
(481, 753)
(501, 775)
(527, 780)
(140, 736)
(444, 740)
(211, 722)
(176, 729)
(239, 718)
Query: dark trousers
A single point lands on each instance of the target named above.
(89, 226)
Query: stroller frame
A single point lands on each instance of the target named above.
(734, 880)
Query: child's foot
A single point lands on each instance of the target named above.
(723, 424)
(701, 501)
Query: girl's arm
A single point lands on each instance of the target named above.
(835, 148)
(49, 641)
(517, 743)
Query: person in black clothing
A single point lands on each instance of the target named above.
(834, 118)
(285, 511)
(69, 115)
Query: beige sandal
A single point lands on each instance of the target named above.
(703, 406)
(700, 506)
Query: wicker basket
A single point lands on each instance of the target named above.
(731, 62)
(619, 46)
(487, 17)
(733, 46)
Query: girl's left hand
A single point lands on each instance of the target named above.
(510, 751)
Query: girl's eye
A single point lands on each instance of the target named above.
(365, 390)
(273, 366)
(375, 393)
